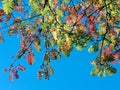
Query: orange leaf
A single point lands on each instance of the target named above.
(11, 77)
(55, 2)
(115, 57)
(30, 58)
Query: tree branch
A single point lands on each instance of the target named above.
(20, 21)
(23, 51)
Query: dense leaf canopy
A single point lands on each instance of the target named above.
(63, 25)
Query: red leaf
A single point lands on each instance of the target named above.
(115, 58)
(15, 73)
(30, 58)
(8, 17)
(20, 67)
(91, 29)
(1, 19)
(80, 15)
(39, 75)
(19, 8)
(92, 18)
(107, 51)
(114, 62)
(1, 12)
(17, 20)
(5, 70)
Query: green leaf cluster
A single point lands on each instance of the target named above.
(8, 6)
(102, 72)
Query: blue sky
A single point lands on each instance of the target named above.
(71, 73)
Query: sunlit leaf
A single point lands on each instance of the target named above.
(79, 47)
(59, 13)
(50, 70)
(37, 44)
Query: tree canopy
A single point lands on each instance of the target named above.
(62, 26)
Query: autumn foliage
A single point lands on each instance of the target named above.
(62, 26)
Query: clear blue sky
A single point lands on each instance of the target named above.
(71, 73)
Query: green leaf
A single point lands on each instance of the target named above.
(59, 12)
(92, 73)
(66, 1)
(11, 32)
(55, 54)
(50, 70)
(91, 49)
(45, 25)
(66, 53)
(106, 42)
(104, 73)
(100, 73)
(38, 48)
(78, 47)
(113, 70)
(37, 44)
(60, 41)
(109, 73)
(114, 13)
(8, 6)
(97, 70)
(45, 11)
(53, 43)
(47, 58)
(101, 31)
